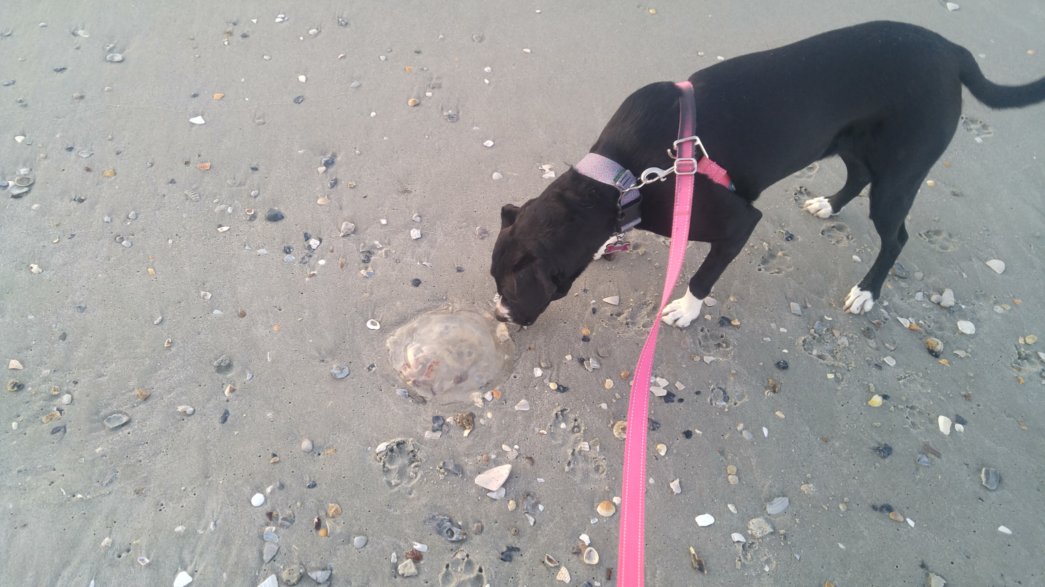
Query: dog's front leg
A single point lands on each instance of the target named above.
(741, 224)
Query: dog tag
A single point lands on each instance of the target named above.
(621, 246)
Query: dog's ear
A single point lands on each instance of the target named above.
(508, 215)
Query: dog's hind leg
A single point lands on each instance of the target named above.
(857, 178)
(888, 212)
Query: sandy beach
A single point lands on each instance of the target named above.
(233, 206)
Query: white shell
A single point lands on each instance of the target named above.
(182, 579)
(612, 300)
(1004, 530)
(197, 120)
(270, 581)
(945, 425)
(738, 538)
(997, 265)
(704, 520)
(258, 500)
(675, 486)
(591, 556)
(492, 479)
(563, 576)
(966, 327)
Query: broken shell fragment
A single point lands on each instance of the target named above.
(705, 520)
(606, 508)
(115, 420)
(945, 425)
(620, 429)
(875, 401)
(493, 479)
(563, 576)
(550, 561)
(997, 265)
(990, 478)
(373, 324)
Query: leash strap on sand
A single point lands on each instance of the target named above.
(631, 549)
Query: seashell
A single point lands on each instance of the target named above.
(590, 556)
(115, 420)
(14, 365)
(777, 505)
(875, 401)
(966, 327)
(333, 510)
(612, 300)
(620, 429)
(257, 500)
(696, 562)
(676, 487)
(945, 425)
(197, 120)
(1005, 530)
(990, 478)
(373, 324)
(268, 552)
(705, 520)
(997, 265)
(493, 479)
(896, 516)
(738, 538)
(934, 346)
(186, 410)
(22, 181)
(321, 576)
(550, 561)
(606, 508)
(661, 448)
(563, 576)
(114, 58)
(182, 579)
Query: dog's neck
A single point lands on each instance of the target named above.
(607, 171)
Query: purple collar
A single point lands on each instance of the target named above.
(609, 172)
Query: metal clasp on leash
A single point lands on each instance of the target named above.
(687, 165)
(682, 166)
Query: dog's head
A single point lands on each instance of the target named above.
(545, 245)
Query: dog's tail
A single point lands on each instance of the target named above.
(995, 95)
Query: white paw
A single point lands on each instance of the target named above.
(819, 207)
(682, 311)
(858, 301)
(602, 250)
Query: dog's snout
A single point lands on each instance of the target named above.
(500, 311)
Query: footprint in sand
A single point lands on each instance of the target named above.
(715, 344)
(462, 571)
(775, 261)
(400, 463)
(976, 127)
(801, 193)
(837, 233)
(584, 461)
(941, 240)
(807, 172)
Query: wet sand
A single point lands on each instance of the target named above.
(135, 282)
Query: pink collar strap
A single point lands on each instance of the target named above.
(632, 538)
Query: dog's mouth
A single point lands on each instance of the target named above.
(501, 311)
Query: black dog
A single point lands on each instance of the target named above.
(883, 96)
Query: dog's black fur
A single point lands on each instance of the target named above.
(883, 96)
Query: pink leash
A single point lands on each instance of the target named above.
(632, 541)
